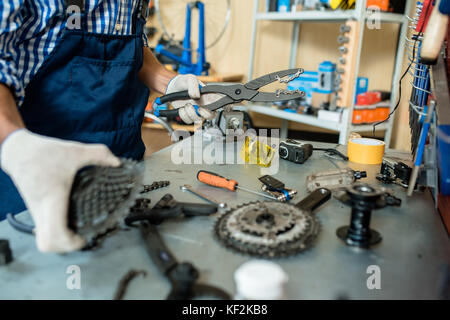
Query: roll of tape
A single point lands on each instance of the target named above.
(365, 151)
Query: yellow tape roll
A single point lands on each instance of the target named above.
(365, 151)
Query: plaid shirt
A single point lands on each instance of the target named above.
(30, 30)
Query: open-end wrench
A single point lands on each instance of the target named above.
(221, 206)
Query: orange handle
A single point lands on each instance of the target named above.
(215, 180)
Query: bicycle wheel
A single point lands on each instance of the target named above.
(172, 16)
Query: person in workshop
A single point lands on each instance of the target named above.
(71, 97)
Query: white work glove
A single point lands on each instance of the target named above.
(43, 170)
(191, 110)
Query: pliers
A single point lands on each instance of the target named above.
(183, 276)
(238, 92)
(166, 208)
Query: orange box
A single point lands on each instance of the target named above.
(366, 114)
(382, 4)
(381, 113)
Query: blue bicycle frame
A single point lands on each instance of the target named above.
(201, 67)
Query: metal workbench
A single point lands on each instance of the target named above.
(412, 257)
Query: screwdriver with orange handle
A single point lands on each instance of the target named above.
(215, 180)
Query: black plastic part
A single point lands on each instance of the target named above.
(402, 172)
(197, 209)
(166, 208)
(297, 153)
(168, 113)
(386, 174)
(5, 252)
(314, 200)
(345, 233)
(271, 182)
(360, 174)
(397, 172)
(181, 95)
(363, 198)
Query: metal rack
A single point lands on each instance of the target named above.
(360, 14)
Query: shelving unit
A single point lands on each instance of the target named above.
(360, 14)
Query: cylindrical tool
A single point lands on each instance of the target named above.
(213, 179)
(363, 199)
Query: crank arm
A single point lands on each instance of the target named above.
(314, 200)
(153, 216)
(159, 253)
(197, 209)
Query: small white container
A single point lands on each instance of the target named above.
(260, 280)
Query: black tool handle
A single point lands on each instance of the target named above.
(167, 113)
(315, 199)
(160, 254)
(198, 209)
(153, 216)
(180, 95)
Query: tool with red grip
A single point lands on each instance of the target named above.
(215, 180)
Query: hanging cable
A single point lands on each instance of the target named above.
(419, 34)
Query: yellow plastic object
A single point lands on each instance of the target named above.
(342, 4)
(365, 151)
(257, 152)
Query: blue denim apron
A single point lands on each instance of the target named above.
(87, 90)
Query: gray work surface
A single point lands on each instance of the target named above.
(412, 256)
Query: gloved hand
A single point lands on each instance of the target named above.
(190, 110)
(43, 170)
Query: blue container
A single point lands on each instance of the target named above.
(327, 71)
(283, 5)
(362, 85)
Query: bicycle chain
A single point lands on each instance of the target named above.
(154, 186)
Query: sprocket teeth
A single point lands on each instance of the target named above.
(101, 197)
(283, 249)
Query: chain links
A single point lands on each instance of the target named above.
(155, 185)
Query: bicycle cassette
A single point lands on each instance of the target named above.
(101, 197)
(271, 229)
(267, 229)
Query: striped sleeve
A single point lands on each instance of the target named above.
(10, 21)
